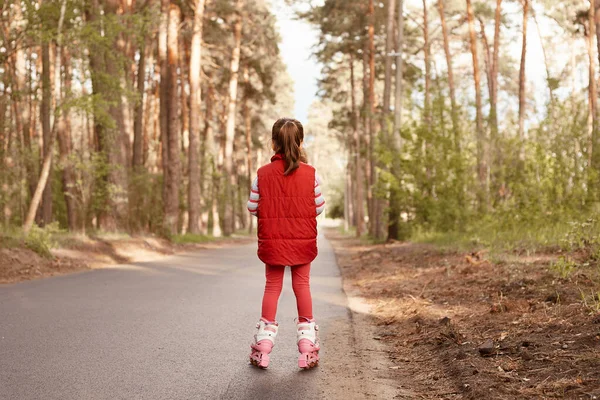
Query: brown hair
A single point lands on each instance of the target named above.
(287, 135)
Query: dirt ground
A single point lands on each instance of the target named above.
(81, 253)
(457, 326)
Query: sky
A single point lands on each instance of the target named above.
(298, 38)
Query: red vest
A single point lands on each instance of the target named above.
(287, 215)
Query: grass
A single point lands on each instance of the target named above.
(528, 237)
(191, 238)
(39, 240)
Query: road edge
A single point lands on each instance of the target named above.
(370, 354)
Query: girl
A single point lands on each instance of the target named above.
(286, 198)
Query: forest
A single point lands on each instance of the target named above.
(125, 116)
(451, 125)
(152, 116)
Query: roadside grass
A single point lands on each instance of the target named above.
(191, 238)
(527, 237)
(39, 240)
(42, 239)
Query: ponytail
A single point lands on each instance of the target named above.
(287, 136)
(291, 146)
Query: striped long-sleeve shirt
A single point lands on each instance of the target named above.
(255, 197)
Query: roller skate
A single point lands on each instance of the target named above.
(308, 344)
(264, 340)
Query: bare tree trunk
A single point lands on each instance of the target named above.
(494, 80)
(394, 206)
(174, 134)
(249, 150)
(195, 112)
(138, 123)
(597, 25)
(481, 139)
(45, 171)
(208, 157)
(453, 105)
(150, 113)
(389, 47)
(522, 77)
(46, 210)
(377, 226)
(487, 57)
(64, 146)
(546, 64)
(366, 134)
(230, 128)
(593, 157)
(427, 51)
(20, 107)
(163, 34)
(359, 186)
(184, 66)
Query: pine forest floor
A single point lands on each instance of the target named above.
(458, 326)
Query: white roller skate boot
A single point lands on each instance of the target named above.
(264, 340)
(308, 344)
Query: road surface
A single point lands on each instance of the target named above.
(178, 328)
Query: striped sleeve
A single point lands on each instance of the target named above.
(254, 197)
(319, 199)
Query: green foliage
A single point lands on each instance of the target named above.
(591, 301)
(583, 235)
(191, 238)
(146, 202)
(564, 266)
(40, 239)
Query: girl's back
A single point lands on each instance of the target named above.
(287, 225)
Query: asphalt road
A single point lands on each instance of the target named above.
(179, 328)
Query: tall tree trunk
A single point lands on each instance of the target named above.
(427, 52)
(20, 106)
(111, 138)
(546, 63)
(65, 146)
(119, 145)
(494, 77)
(163, 33)
(393, 230)
(366, 133)
(481, 139)
(210, 163)
(138, 143)
(174, 134)
(377, 227)
(487, 57)
(138, 123)
(208, 158)
(195, 113)
(522, 77)
(45, 170)
(593, 156)
(249, 150)
(389, 47)
(453, 105)
(359, 185)
(230, 127)
(46, 211)
(597, 25)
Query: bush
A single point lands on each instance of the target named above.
(40, 239)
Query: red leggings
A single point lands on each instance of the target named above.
(300, 284)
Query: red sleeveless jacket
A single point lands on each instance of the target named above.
(287, 219)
